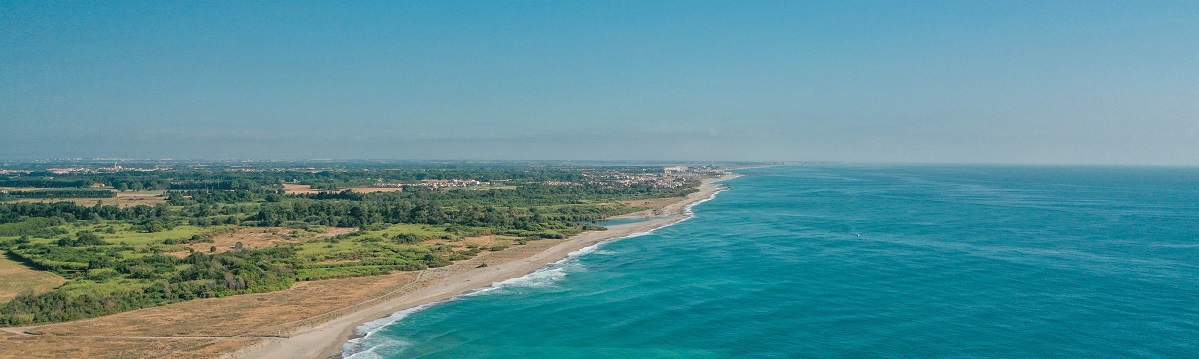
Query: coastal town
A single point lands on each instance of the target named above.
(112, 175)
(667, 177)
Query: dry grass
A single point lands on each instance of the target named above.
(260, 237)
(481, 242)
(16, 278)
(49, 347)
(291, 188)
(210, 349)
(123, 199)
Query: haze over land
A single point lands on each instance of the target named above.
(1002, 82)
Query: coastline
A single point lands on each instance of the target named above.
(325, 340)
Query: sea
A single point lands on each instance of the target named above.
(859, 262)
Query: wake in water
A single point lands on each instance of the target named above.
(364, 343)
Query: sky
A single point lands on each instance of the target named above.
(1011, 82)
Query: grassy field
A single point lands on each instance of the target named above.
(125, 234)
(16, 278)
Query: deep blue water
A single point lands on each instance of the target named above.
(843, 261)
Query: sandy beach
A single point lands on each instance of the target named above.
(324, 340)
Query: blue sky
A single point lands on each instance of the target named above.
(1052, 82)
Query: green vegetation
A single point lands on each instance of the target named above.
(123, 258)
(58, 193)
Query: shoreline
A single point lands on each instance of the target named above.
(326, 339)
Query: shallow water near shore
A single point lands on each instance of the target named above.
(819, 261)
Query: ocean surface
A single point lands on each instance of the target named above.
(859, 261)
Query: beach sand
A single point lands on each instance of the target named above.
(325, 340)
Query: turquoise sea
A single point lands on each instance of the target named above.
(860, 261)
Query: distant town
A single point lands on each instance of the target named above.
(126, 175)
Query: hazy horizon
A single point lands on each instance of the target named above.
(1111, 83)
